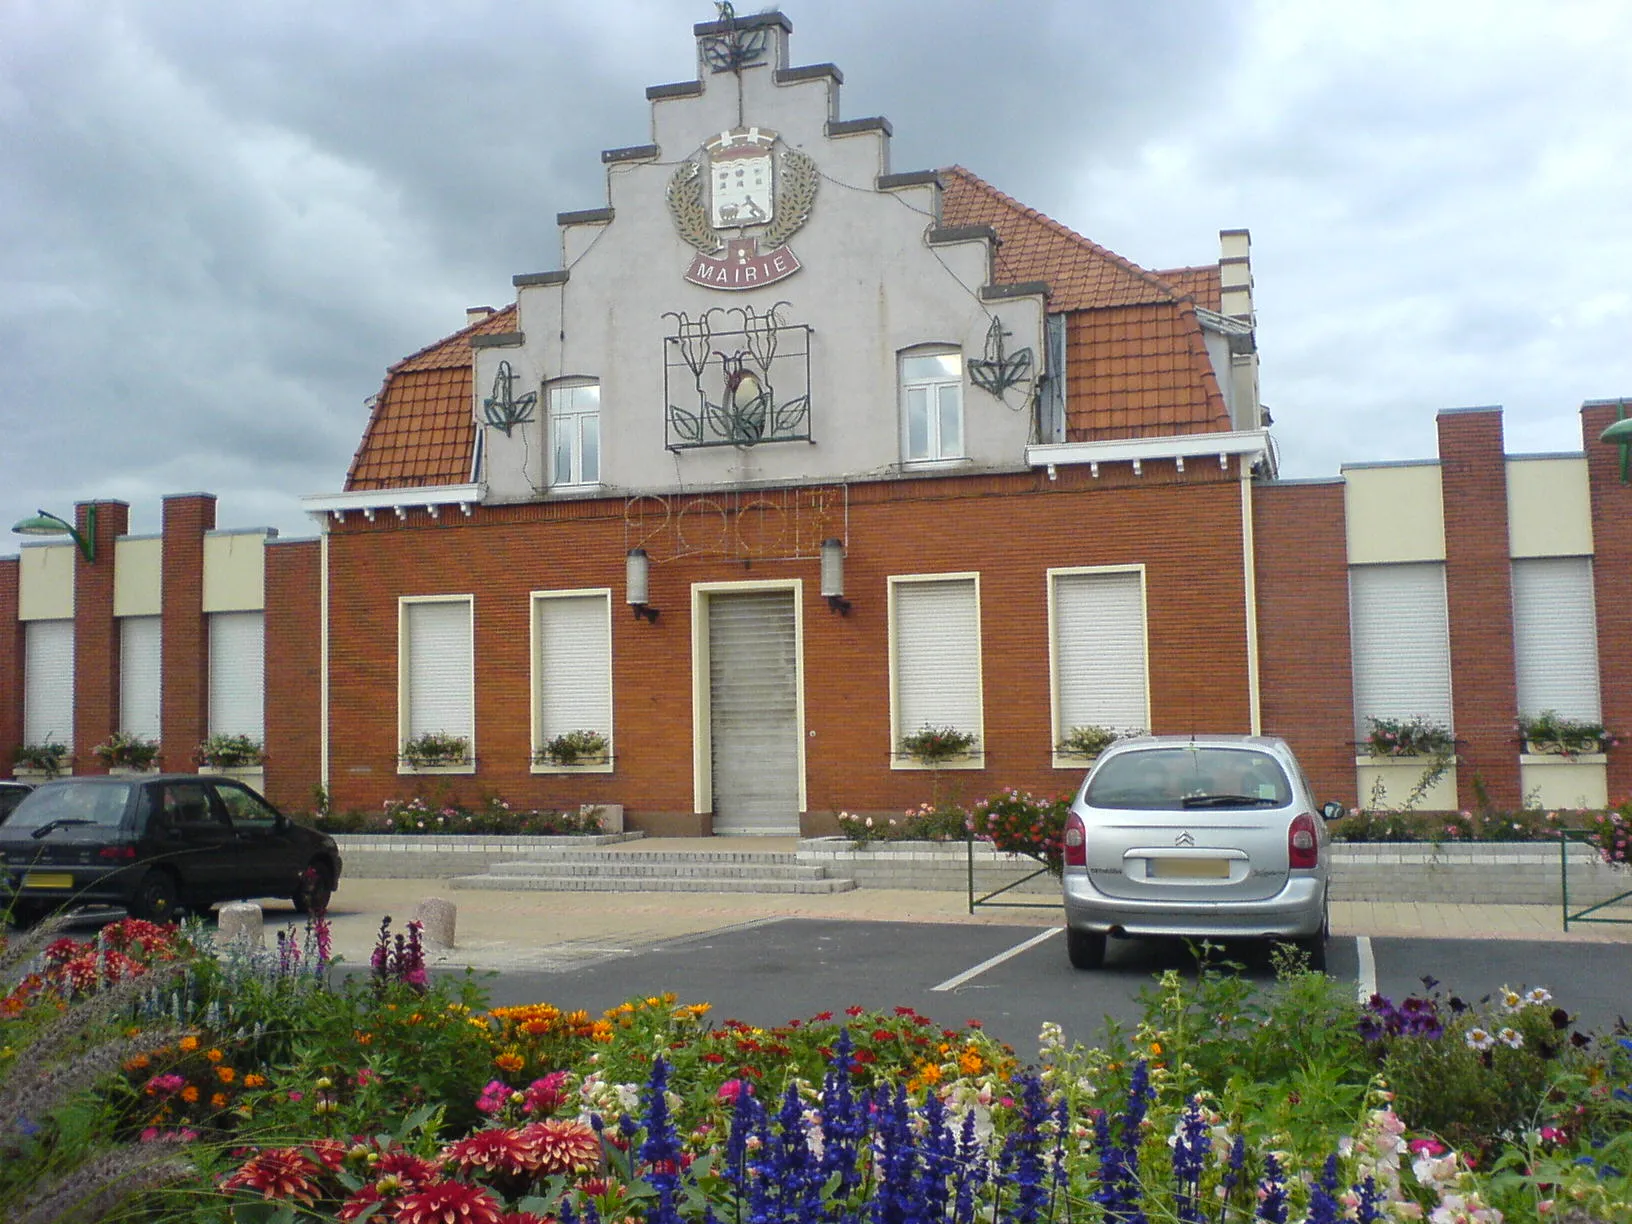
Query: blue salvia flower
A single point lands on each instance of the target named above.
(896, 1159)
(798, 1179)
(1272, 1192)
(736, 1142)
(938, 1161)
(971, 1172)
(1323, 1205)
(844, 1119)
(1189, 1159)
(661, 1149)
(1119, 1191)
(1022, 1159)
(1232, 1172)
(1368, 1209)
(762, 1172)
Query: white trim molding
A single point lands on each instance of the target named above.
(1252, 443)
(429, 498)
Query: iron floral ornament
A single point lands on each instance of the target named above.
(1000, 370)
(737, 202)
(733, 375)
(504, 409)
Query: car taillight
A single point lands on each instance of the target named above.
(1302, 842)
(116, 852)
(1076, 842)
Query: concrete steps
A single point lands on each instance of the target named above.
(718, 869)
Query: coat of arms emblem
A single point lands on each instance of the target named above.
(738, 202)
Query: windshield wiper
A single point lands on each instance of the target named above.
(57, 824)
(1221, 801)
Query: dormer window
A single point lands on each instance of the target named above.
(575, 432)
(931, 405)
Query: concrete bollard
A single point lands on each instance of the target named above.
(240, 922)
(439, 918)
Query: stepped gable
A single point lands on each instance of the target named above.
(420, 431)
(1137, 363)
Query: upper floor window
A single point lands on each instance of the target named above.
(931, 406)
(575, 432)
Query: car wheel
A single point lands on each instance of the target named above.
(1085, 948)
(156, 898)
(1314, 946)
(23, 915)
(312, 893)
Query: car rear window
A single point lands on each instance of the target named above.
(101, 803)
(1189, 778)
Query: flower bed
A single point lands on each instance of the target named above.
(248, 1089)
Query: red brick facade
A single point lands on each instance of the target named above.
(1612, 570)
(184, 718)
(11, 661)
(294, 671)
(96, 634)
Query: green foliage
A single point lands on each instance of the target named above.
(1551, 732)
(926, 822)
(1017, 822)
(937, 745)
(1417, 736)
(424, 817)
(122, 751)
(1385, 825)
(49, 756)
(573, 748)
(433, 748)
(230, 752)
(1090, 741)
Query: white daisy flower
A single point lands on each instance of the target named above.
(1538, 996)
(1511, 1038)
(1479, 1039)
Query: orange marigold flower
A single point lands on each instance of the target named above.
(138, 1063)
(225, 1074)
(218, 1100)
(277, 1173)
(190, 1093)
(214, 1055)
(971, 1063)
(254, 1081)
(188, 1044)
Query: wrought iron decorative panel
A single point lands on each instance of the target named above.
(760, 525)
(735, 376)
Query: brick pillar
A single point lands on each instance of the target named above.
(1479, 599)
(293, 672)
(11, 662)
(1305, 670)
(96, 633)
(184, 714)
(1612, 576)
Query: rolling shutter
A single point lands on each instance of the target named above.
(937, 657)
(139, 676)
(754, 713)
(1099, 644)
(237, 674)
(1401, 643)
(1555, 637)
(48, 682)
(440, 694)
(574, 666)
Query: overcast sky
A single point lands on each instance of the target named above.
(222, 222)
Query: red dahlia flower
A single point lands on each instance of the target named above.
(277, 1173)
(495, 1151)
(448, 1202)
(561, 1146)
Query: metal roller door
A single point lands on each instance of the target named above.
(753, 713)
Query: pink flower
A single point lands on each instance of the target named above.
(1426, 1146)
(732, 1089)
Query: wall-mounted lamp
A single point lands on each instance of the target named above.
(833, 577)
(637, 578)
(43, 524)
(1620, 434)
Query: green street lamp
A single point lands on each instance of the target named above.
(43, 524)
(1620, 434)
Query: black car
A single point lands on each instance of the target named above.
(157, 845)
(11, 794)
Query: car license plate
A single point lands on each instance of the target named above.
(1190, 869)
(48, 879)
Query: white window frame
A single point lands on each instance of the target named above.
(405, 729)
(937, 450)
(541, 733)
(567, 416)
(977, 757)
(1057, 699)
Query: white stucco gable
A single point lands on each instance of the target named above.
(742, 300)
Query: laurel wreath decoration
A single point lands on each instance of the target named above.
(795, 196)
(685, 196)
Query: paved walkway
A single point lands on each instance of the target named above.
(499, 930)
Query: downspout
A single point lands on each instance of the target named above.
(323, 666)
(1249, 584)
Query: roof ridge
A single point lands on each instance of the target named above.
(1061, 228)
(466, 330)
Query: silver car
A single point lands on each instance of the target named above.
(1196, 835)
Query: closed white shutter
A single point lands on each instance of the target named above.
(1555, 637)
(574, 666)
(48, 682)
(139, 675)
(1099, 651)
(1401, 643)
(238, 674)
(440, 693)
(754, 713)
(937, 657)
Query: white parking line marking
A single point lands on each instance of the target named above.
(1368, 967)
(952, 983)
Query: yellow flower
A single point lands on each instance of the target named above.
(971, 1063)
(510, 1061)
(1155, 1047)
(188, 1044)
(929, 1073)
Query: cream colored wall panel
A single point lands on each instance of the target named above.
(1549, 509)
(1394, 513)
(1393, 783)
(235, 571)
(1561, 784)
(45, 582)
(138, 574)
